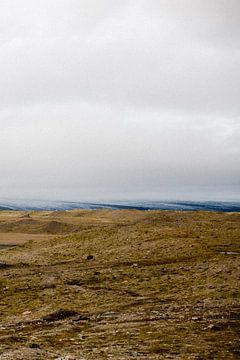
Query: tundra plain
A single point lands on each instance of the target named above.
(104, 284)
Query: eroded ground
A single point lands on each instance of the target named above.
(119, 285)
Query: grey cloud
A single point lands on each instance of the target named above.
(121, 96)
(131, 59)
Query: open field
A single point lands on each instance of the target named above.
(119, 285)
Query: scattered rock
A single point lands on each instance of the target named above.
(195, 318)
(34, 346)
(82, 318)
(90, 257)
(25, 216)
(26, 313)
(49, 283)
(108, 314)
(214, 327)
(59, 315)
(4, 265)
(74, 282)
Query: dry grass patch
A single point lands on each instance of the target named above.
(122, 284)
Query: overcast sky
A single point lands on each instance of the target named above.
(104, 99)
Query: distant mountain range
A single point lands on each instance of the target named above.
(29, 205)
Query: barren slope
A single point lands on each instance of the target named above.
(120, 285)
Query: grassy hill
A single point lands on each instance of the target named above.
(125, 284)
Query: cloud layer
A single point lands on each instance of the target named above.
(101, 99)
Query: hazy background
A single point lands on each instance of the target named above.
(103, 99)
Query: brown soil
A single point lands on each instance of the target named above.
(119, 285)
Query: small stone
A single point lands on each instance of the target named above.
(214, 327)
(26, 313)
(82, 318)
(90, 257)
(34, 346)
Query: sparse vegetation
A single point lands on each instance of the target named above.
(119, 284)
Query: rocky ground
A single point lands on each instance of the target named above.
(119, 285)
